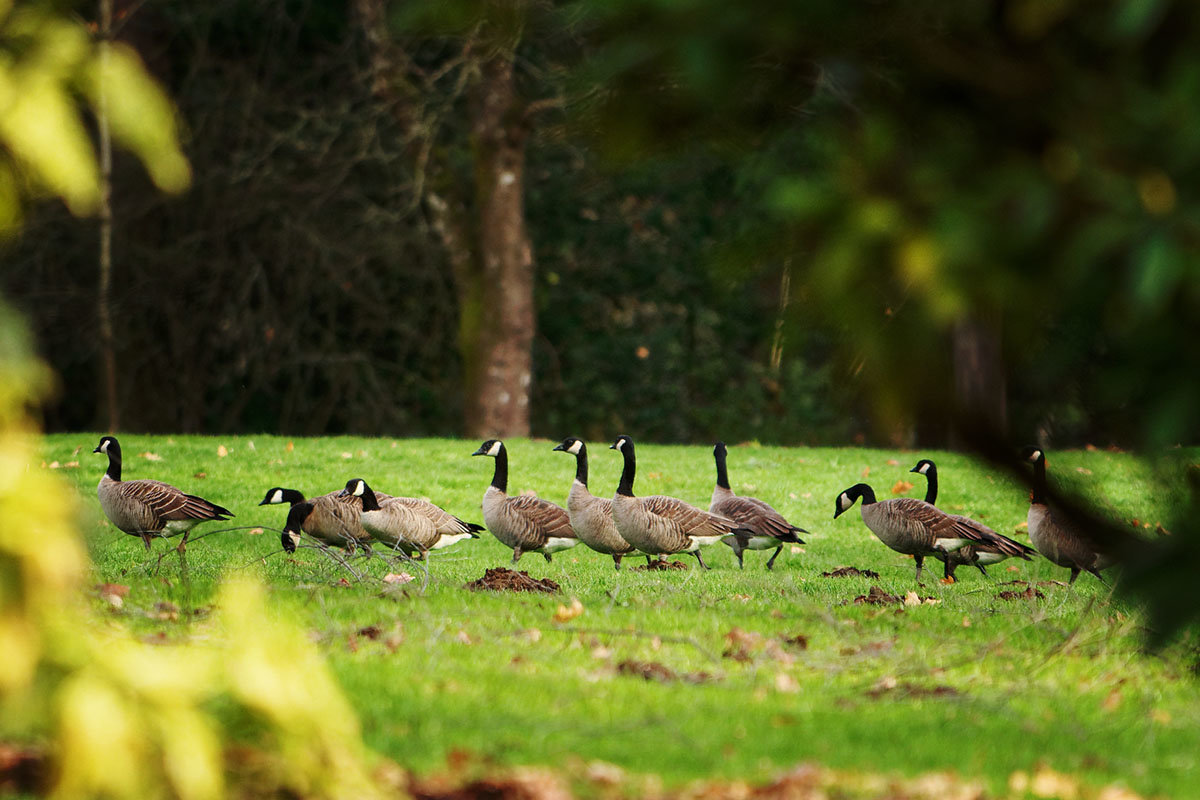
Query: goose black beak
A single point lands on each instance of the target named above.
(559, 446)
(264, 503)
(96, 449)
(612, 446)
(480, 452)
(914, 469)
(344, 493)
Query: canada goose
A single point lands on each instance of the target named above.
(330, 519)
(911, 526)
(149, 508)
(660, 524)
(1053, 534)
(524, 523)
(591, 516)
(769, 526)
(976, 555)
(409, 523)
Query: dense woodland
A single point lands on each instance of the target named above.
(787, 225)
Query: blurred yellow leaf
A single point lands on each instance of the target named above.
(568, 613)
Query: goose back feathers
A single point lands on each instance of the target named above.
(1056, 536)
(149, 508)
(591, 517)
(976, 554)
(769, 527)
(413, 525)
(524, 523)
(330, 518)
(912, 526)
(661, 525)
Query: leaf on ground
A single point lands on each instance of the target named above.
(850, 572)
(165, 611)
(866, 473)
(150, 456)
(372, 632)
(786, 683)
(567, 613)
(222, 451)
(799, 641)
(912, 599)
(740, 645)
(659, 566)
(1083, 470)
(290, 447)
(877, 597)
(347, 455)
(463, 637)
(118, 589)
(891, 462)
(255, 532)
(901, 486)
(200, 475)
(398, 577)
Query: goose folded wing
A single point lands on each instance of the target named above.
(752, 513)
(995, 542)
(169, 503)
(547, 519)
(688, 519)
(443, 521)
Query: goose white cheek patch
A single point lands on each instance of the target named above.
(277, 497)
(494, 450)
(575, 448)
(845, 501)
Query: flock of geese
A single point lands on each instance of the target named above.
(654, 526)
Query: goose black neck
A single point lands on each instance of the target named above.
(1039, 481)
(296, 516)
(291, 496)
(625, 487)
(581, 469)
(722, 474)
(369, 500)
(866, 493)
(932, 489)
(114, 461)
(500, 476)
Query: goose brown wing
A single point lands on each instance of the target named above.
(995, 542)
(168, 503)
(443, 521)
(687, 519)
(752, 513)
(1071, 542)
(937, 523)
(544, 517)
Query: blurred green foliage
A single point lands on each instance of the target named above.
(1020, 159)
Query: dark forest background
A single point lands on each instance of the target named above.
(788, 225)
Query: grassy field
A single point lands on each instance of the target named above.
(971, 682)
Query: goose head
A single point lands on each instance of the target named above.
(355, 487)
(570, 445)
(109, 446)
(491, 447)
(924, 466)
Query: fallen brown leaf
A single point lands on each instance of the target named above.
(222, 451)
(255, 532)
(398, 577)
(151, 456)
(901, 486)
(568, 613)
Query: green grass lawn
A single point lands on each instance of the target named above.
(974, 683)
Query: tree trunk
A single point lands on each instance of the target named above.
(496, 294)
(979, 384)
(108, 360)
(484, 235)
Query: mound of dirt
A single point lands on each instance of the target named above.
(500, 579)
(851, 572)
(656, 566)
